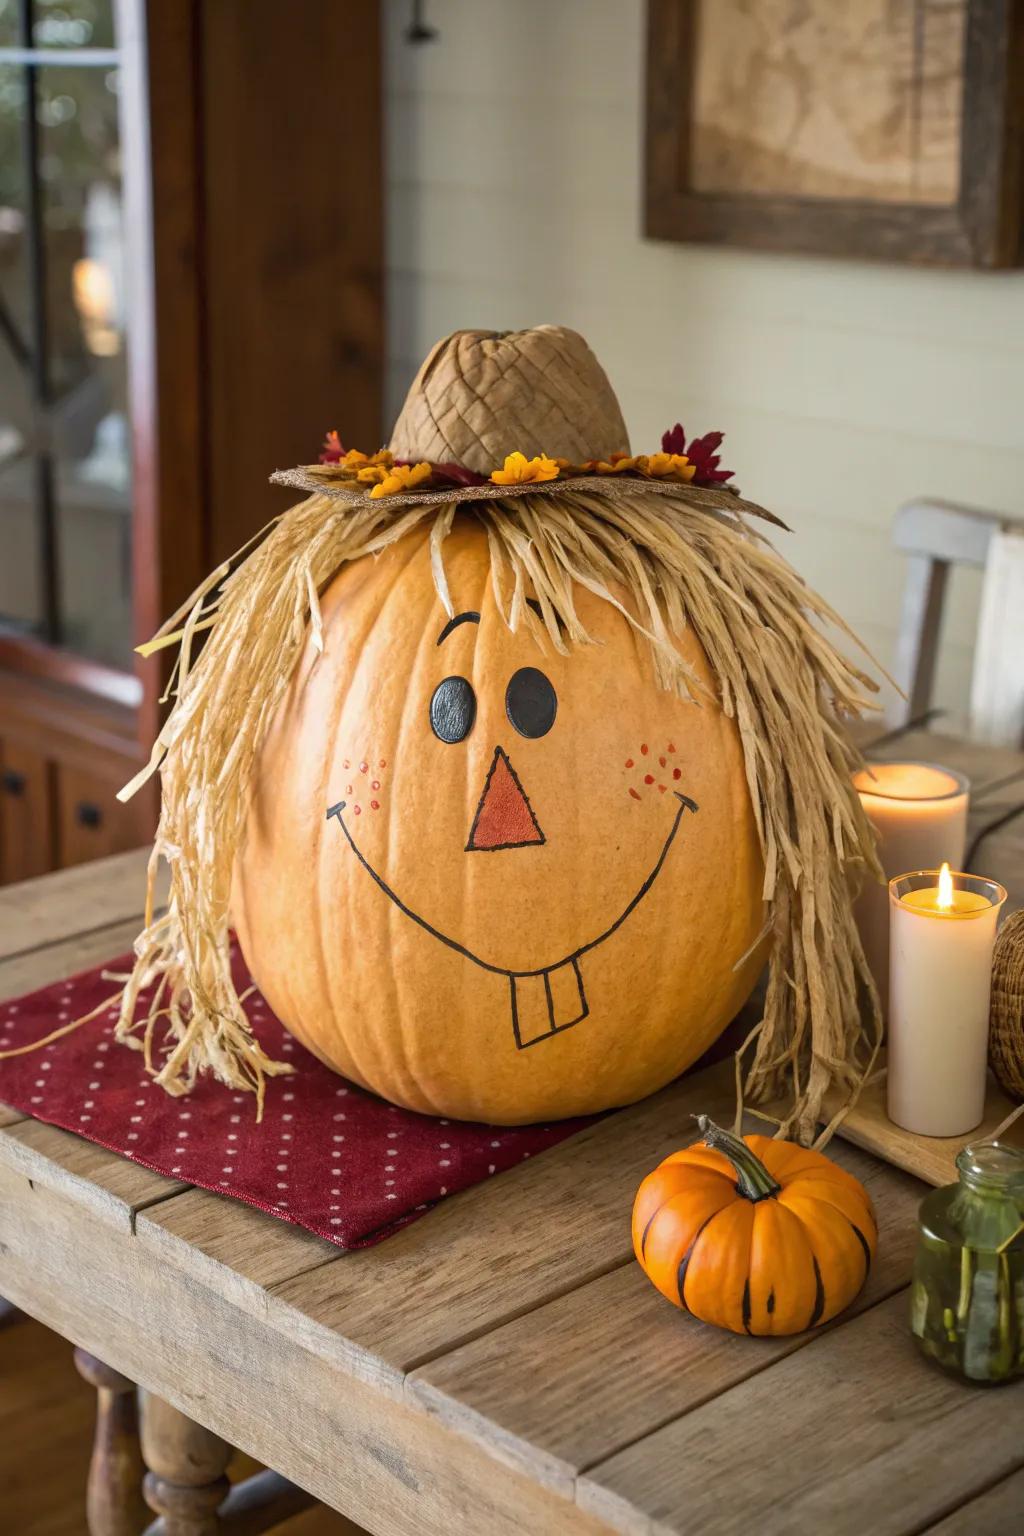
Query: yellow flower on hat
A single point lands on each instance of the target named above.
(660, 465)
(519, 470)
(347, 464)
(615, 465)
(402, 477)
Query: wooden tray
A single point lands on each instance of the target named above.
(932, 1158)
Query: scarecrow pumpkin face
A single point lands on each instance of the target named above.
(487, 880)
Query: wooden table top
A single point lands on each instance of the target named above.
(501, 1366)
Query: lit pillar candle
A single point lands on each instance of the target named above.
(943, 927)
(919, 812)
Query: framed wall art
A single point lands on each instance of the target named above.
(888, 129)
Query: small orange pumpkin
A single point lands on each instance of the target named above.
(754, 1235)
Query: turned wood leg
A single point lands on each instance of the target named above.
(185, 1483)
(114, 1503)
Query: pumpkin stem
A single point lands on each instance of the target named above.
(753, 1180)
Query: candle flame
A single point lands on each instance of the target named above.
(945, 888)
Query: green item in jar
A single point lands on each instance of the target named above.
(967, 1293)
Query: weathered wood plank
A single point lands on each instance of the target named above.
(37, 968)
(854, 1433)
(1000, 1509)
(574, 1381)
(384, 1463)
(932, 1158)
(101, 1182)
(235, 1249)
(502, 1248)
(9, 1116)
(53, 907)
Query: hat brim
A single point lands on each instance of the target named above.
(613, 487)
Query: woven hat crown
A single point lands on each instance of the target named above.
(481, 395)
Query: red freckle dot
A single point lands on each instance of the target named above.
(663, 787)
(345, 764)
(670, 748)
(634, 793)
(374, 805)
(676, 773)
(643, 748)
(348, 789)
(629, 762)
(648, 778)
(661, 760)
(362, 767)
(375, 783)
(358, 810)
(382, 764)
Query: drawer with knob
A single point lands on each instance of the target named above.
(27, 831)
(91, 821)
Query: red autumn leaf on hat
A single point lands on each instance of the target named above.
(701, 452)
(332, 450)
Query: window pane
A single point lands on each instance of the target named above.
(21, 587)
(8, 23)
(13, 270)
(73, 24)
(89, 432)
(21, 570)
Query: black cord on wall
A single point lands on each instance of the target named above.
(419, 30)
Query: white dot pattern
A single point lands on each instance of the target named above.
(352, 1174)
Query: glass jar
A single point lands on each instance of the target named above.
(967, 1293)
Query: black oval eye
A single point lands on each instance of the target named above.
(530, 702)
(452, 710)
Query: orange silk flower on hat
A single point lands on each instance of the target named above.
(658, 465)
(403, 477)
(519, 470)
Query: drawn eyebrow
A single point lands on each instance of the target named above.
(460, 618)
(531, 602)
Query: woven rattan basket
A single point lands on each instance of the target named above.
(1006, 1033)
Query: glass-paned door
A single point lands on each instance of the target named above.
(65, 459)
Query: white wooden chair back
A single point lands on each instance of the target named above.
(936, 535)
(997, 684)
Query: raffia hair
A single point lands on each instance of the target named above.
(666, 562)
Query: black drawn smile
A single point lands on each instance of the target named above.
(555, 1025)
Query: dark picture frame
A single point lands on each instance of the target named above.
(981, 228)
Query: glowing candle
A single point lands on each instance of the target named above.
(943, 927)
(920, 814)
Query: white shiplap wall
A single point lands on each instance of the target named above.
(514, 177)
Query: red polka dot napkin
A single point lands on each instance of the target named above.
(328, 1155)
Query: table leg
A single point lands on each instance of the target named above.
(185, 1483)
(114, 1503)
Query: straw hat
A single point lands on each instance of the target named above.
(509, 414)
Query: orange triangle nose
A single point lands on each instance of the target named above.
(504, 818)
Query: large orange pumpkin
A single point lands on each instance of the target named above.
(488, 880)
(753, 1235)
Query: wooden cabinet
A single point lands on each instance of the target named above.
(190, 296)
(91, 822)
(27, 841)
(62, 760)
